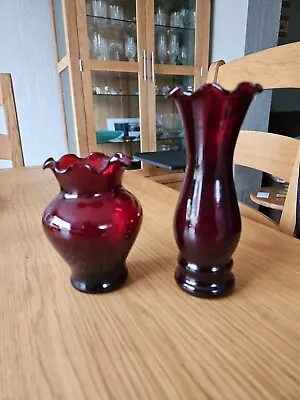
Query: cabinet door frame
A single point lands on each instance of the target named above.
(90, 65)
(79, 64)
(71, 62)
(202, 41)
(198, 70)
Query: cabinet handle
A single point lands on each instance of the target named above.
(152, 66)
(145, 65)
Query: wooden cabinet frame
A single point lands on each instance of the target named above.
(80, 66)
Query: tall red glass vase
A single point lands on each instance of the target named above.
(207, 221)
(93, 221)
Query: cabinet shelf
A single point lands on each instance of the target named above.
(134, 140)
(115, 95)
(126, 67)
(124, 95)
(114, 22)
(117, 23)
(162, 28)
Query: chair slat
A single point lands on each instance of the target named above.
(273, 68)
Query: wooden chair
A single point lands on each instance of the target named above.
(273, 68)
(10, 144)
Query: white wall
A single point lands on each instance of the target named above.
(229, 21)
(27, 52)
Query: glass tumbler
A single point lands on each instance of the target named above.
(160, 17)
(174, 48)
(116, 13)
(99, 10)
(177, 19)
(100, 48)
(162, 49)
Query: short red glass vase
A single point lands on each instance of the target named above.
(93, 222)
(207, 222)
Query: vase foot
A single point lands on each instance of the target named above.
(96, 287)
(200, 281)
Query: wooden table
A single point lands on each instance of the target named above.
(149, 340)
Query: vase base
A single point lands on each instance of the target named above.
(208, 282)
(100, 287)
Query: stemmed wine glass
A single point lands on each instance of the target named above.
(130, 48)
(162, 48)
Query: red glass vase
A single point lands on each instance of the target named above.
(207, 221)
(93, 221)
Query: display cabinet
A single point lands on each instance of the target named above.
(117, 61)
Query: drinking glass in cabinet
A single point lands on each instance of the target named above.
(176, 19)
(184, 17)
(183, 55)
(169, 126)
(162, 48)
(116, 50)
(159, 125)
(99, 8)
(172, 125)
(191, 18)
(116, 13)
(100, 48)
(130, 48)
(164, 90)
(160, 17)
(174, 48)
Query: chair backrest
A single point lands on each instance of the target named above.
(10, 144)
(273, 68)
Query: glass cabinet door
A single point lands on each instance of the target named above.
(63, 67)
(116, 112)
(60, 34)
(174, 23)
(172, 64)
(116, 64)
(112, 30)
(121, 57)
(169, 128)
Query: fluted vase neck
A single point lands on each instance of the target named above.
(96, 173)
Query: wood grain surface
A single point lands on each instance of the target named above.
(274, 154)
(202, 40)
(148, 340)
(73, 55)
(264, 67)
(79, 32)
(277, 67)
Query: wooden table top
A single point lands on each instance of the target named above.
(149, 340)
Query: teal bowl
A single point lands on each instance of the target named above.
(106, 136)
